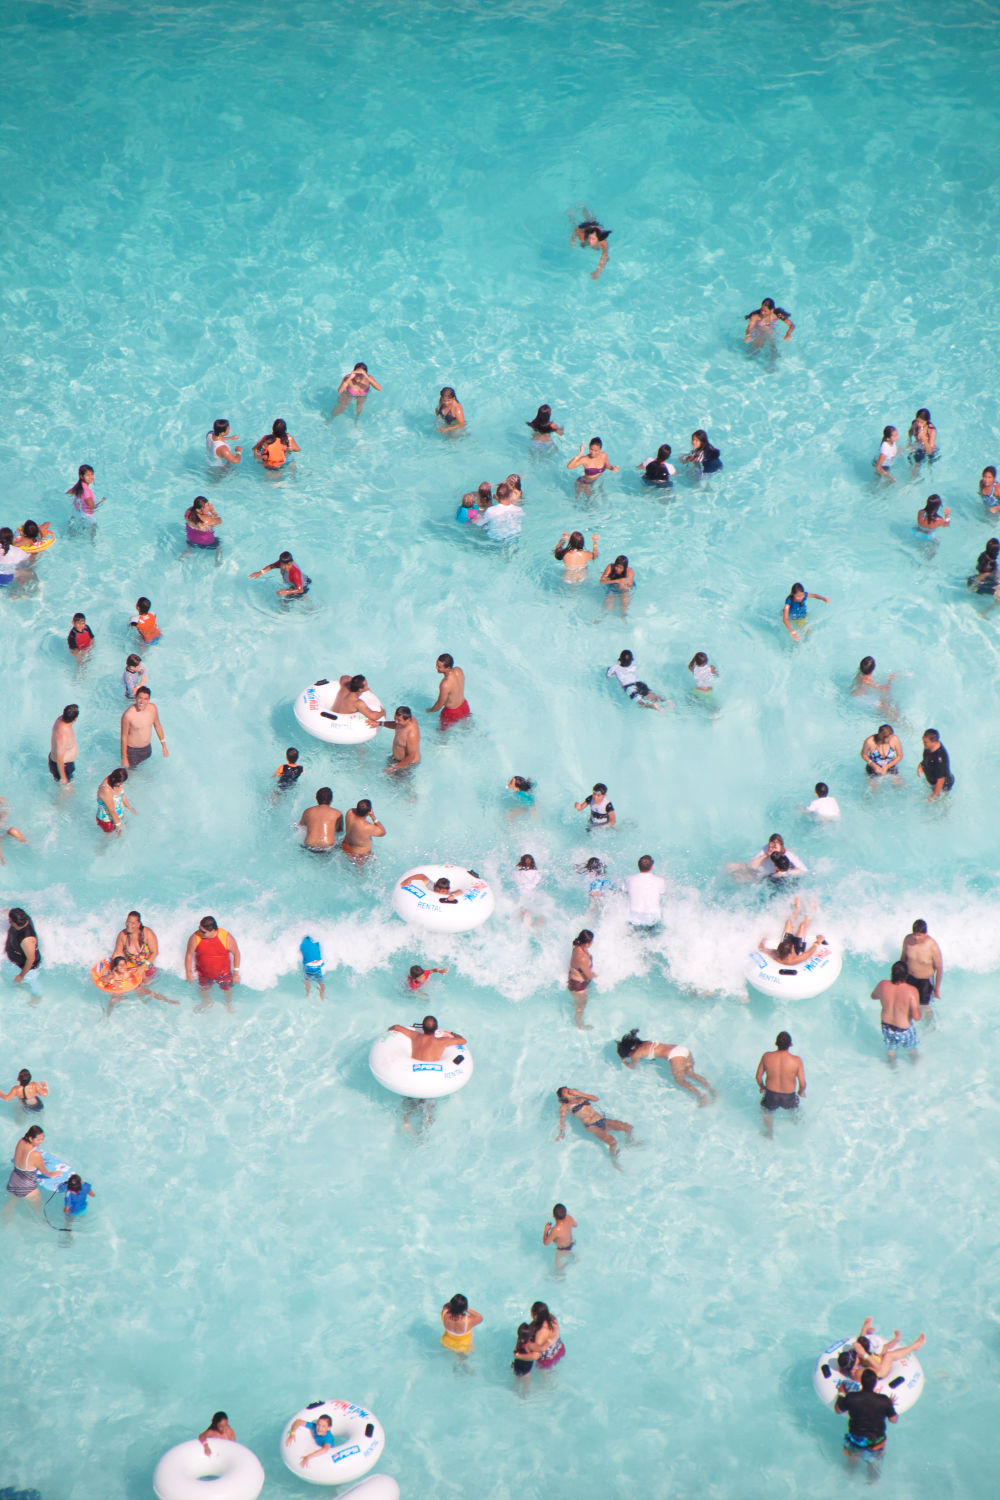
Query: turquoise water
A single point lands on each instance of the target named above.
(215, 212)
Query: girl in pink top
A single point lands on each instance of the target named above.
(83, 493)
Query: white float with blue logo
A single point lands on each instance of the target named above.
(793, 981)
(358, 1442)
(375, 1487)
(233, 1471)
(396, 1069)
(62, 1171)
(904, 1385)
(435, 911)
(314, 711)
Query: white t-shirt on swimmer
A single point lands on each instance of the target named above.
(666, 464)
(502, 521)
(645, 891)
(825, 807)
(887, 451)
(370, 701)
(626, 675)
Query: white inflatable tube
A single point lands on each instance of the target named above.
(314, 711)
(398, 1070)
(793, 981)
(360, 1438)
(375, 1487)
(233, 1471)
(905, 1383)
(417, 904)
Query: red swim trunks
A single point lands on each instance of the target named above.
(452, 715)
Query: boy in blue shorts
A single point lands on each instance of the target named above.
(312, 965)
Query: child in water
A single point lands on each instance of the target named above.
(559, 1232)
(703, 672)
(418, 976)
(77, 1193)
(313, 967)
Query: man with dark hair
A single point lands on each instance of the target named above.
(451, 694)
(645, 892)
(934, 766)
(322, 823)
(900, 1002)
(62, 748)
(360, 827)
(139, 721)
(924, 965)
(781, 1079)
(405, 740)
(22, 950)
(427, 1044)
(867, 1412)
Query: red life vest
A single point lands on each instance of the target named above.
(212, 958)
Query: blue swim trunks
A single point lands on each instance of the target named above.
(894, 1036)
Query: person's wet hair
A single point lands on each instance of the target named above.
(625, 659)
(81, 483)
(931, 734)
(527, 862)
(18, 917)
(931, 506)
(143, 605)
(324, 796)
(219, 426)
(866, 666)
(357, 682)
(783, 1041)
(209, 924)
(899, 972)
(583, 937)
(416, 970)
(868, 1380)
(363, 808)
(74, 1182)
(117, 777)
(446, 659)
(458, 1305)
(32, 1133)
(645, 863)
(628, 1043)
(786, 948)
(780, 861)
(442, 884)
(919, 925)
(821, 789)
(595, 865)
(522, 783)
(559, 1210)
(600, 789)
(887, 433)
(429, 1025)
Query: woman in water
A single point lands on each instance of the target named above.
(887, 452)
(355, 387)
(593, 236)
(11, 557)
(112, 801)
(83, 493)
(763, 319)
(593, 460)
(619, 580)
(659, 471)
(29, 1171)
(703, 455)
(990, 490)
(581, 973)
(921, 440)
(882, 752)
(459, 1320)
(545, 1336)
(28, 1092)
(525, 1353)
(929, 519)
(528, 879)
(570, 551)
(275, 446)
(986, 578)
(200, 521)
(795, 608)
(574, 1102)
(139, 948)
(864, 682)
(449, 413)
(542, 426)
(632, 1050)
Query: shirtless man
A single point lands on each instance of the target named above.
(924, 965)
(779, 1074)
(405, 740)
(138, 722)
(451, 694)
(360, 827)
(900, 1002)
(322, 823)
(62, 748)
(428, 1044)
(354, 696)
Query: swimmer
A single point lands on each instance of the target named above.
(581, 975)
(703, 672)
(134, 675)
(29, 1092)
(626, 673)
(83, 494)
(355, 387)
(924, 964)
(313, 967)
(631, 1049)
(986, 579)
(503, 520)
(218, 1428)
(703, 455)
(763, 319)
(659, 471)
(602, 811)
(139, 947)
(824, 806)
(449, 413)
(542, 426)
(144, 621)
(427, 1042)
(930, 518)
(9, 830)
(459, 1320)
(296, 582)
(21, 948)
(791, 949)
(781, 1079)
(645, 891)
(116, 980)
(441, 888)
(763, 865)
(75, 1198)
(888, 1354)
(575, 1102)
(275, 446)
(571, 552)
(593, 460)
(112, 801)
(11, 558)
(62, 746)
(528, 878)
(354, 696)
(139, 722)
(468, 512)
(212, 956)
(29, 1171)
(418, 976)
(200, 520)
(559, 1232)
(523, 789)
(591, 235)
(360, 827)
(289, 771)
(217, 449)
(900, 1001)
(921, 440)
(882, 461)
(526, 1351)
(934, 766)
(405, 752)
(882, 752)
(31, 537)
(795, 608)
(867, 1412)
(322, 1434)
(322, 822)
(619, 579)
(80, 638)
(598, 884)
(989, 489)
(451, 694)
(865, 682)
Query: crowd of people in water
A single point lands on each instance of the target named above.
(211, 959)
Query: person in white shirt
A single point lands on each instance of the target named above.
(503, 519)
(773, 862)
(645, 891)
(824, 806)
(626, 673)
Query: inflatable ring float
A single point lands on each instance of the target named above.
(358, 1442)
(102, 976)
(313, 709)
(421, 906)
(235, 1472)
(397, 1070)
(905, 1383)
(793, 981)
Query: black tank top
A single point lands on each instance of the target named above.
(14, 946)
